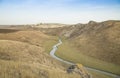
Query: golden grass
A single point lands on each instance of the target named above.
(31, 37)
(23, 54)
(102, 44)
(11, 69)
(19, 51)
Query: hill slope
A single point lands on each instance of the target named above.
(94, 44)
(22, 55)
(101, 41)
(98, 40)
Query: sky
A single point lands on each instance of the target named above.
(57, 11)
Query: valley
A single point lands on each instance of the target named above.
(24, 50)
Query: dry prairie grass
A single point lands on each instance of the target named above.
(22, 60)
(22, 55)
(31, 37)
(104, 45)
(23, 52)
(11, 69)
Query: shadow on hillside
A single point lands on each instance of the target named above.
(8, 30)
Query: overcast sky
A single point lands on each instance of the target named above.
(58, 11)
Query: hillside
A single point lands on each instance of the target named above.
(101, 41)
(95, 44)
(98, 40)
(22, 55)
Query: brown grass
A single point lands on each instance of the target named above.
(22, 55)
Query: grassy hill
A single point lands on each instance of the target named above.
(101, 41)
(23, 55)
(94, 44)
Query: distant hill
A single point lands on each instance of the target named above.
(49, 25)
